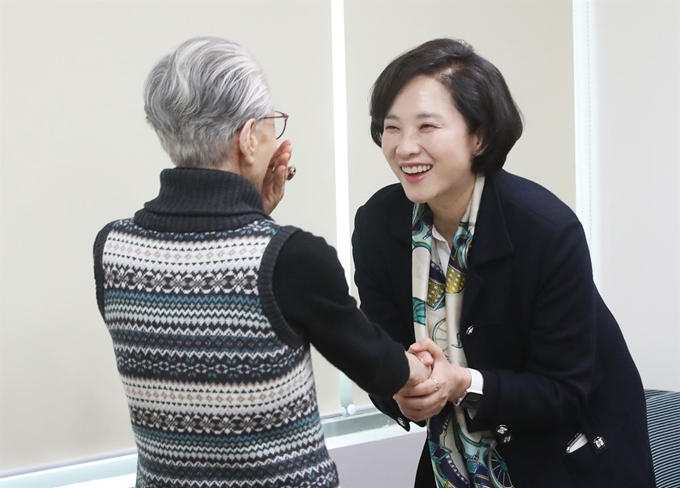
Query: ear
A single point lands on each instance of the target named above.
(247, 140)
(477, 144)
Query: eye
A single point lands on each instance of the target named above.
(390, 128)
(428, 127)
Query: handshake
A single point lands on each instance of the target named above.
(433, 381)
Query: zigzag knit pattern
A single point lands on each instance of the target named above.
(216, 399)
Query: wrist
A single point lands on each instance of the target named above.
(462, 381)
(412, 362)
(473, 394)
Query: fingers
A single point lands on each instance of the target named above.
(418, 372)
(281, 156)
(422, 343)
(425, 357)
(419, 408)
(421, 400)
(424, 388)
(285, 146)
(426, 344)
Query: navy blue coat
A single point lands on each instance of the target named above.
(553, 357)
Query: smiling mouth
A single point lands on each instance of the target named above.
(414, 170)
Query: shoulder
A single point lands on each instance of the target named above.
(388, 208)
(385, 199)
(390, 193)
(307, 264)
(104, 232)
(304, 250)
(527, 200)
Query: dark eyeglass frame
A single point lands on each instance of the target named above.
(279, 115)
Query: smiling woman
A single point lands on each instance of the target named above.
(494, 269)
(427, 144)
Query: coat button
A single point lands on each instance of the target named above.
(470, 330)
(598, 442)
(502, 429)
(506, 439)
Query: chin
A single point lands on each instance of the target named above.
(416, 198)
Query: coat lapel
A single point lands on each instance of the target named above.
(490, 243)
(400, 225)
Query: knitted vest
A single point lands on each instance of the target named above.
(218, 394)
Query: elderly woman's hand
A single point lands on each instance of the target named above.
(274, 183)
(420, 367)
(446, 384)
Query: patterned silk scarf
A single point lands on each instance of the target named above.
(459, 458)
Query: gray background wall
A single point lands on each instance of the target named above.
(76, 153)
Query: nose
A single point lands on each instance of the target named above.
(407, 145)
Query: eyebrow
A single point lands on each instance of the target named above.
(422, 115)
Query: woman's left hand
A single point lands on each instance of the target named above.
(274, 183)
(447, 383)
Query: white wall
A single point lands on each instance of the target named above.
(77, 153)
(636, 135)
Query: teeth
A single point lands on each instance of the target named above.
(412, 170)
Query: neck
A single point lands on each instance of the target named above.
(447, 215)
(227, 165)
(201, 200)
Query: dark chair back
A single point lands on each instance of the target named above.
(663, 421)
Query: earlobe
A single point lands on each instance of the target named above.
(478, 145)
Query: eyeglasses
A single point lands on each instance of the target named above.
(280, 122)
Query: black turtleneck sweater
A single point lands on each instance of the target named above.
(308, 280)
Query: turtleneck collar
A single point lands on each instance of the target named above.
(201, 200)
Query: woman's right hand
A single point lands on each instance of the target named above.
(447, 382)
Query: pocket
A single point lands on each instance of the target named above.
(605, 460)
(577, 443)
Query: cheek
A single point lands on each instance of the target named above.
(271, 146)
(388, 149)
(267, 152)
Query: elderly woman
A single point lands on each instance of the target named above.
(212, 306)
(537, 387)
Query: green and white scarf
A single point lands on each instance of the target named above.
(459, 458)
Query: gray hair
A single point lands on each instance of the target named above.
(197, 97)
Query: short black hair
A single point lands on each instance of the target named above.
(478, 91)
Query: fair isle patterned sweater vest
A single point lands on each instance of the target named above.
(218, 394)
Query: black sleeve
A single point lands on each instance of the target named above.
(311, 292)
(98, 252)
(377, 301)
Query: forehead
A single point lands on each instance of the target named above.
(422, 93)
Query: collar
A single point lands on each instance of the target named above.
(201, 200)
(491, 239)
